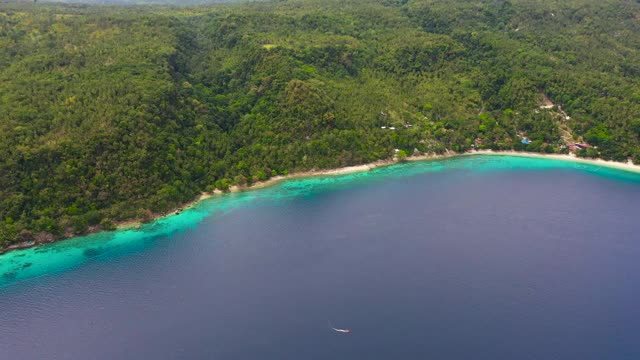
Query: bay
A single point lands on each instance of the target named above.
(483, 257)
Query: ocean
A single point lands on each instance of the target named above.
(475, 257)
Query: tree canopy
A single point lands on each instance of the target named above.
(111, 112)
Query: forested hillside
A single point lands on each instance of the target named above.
(110, 113)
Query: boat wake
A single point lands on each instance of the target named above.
(345, 331)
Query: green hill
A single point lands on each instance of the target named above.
(110, 113)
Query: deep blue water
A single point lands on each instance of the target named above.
(467, 258)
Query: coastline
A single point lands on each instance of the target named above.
(628, 166)
(136, 223)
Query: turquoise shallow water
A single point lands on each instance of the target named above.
(51, 259)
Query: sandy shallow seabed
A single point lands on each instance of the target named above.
(628, 166)
(367, 167)
(135, 223)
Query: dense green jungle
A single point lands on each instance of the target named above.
(116, 112)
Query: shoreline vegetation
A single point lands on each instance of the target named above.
(137, 222)
(124, 112)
